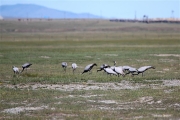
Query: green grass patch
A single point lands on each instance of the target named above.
(47, 44)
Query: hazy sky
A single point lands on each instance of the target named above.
(111, 8)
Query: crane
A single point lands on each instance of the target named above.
(74, 66)
(25, 66)
(15, 70)
(89, 67)
(110, 71)
(102, 67)
(143, 69)
(64, 65)
(119, 70)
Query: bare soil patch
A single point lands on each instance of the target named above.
(17, 110)
(46, 57)
(96, 86)
(111, 54)
(167, 55)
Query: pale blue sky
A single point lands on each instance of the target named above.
(111, 8)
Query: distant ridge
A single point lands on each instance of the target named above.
(37, 11)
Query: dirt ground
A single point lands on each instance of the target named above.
(91, 85)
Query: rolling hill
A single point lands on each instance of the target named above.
(37, 11)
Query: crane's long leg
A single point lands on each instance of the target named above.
(73, 71)
(64, 68)
(22, 70)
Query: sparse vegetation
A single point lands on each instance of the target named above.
(46, 44)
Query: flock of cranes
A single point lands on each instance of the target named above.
(123, 70)
(120, 70)
(112, 70)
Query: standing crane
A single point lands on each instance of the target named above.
(64, 65)
(15, 70)
(74, 66)
(113, 67)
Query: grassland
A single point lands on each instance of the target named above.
(46, 44)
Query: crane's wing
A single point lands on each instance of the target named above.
(88, 67)
(132, 69)
(26, 65)
(74, 65)
(144, 68)
(126, 67)
(16, 69)
(119, 70)
(64, 64)
(110, 71)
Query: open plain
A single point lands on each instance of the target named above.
(46, 91)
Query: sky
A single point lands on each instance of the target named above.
(127, 9)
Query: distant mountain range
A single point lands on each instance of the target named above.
(37, 11)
